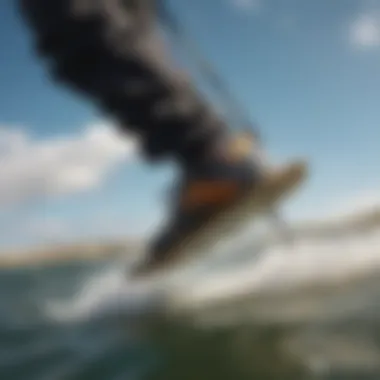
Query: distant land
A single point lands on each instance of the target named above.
(329, 228)
(61, 253)
(360, 221)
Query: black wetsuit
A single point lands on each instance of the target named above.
(111, 52)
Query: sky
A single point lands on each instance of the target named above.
(307, 70)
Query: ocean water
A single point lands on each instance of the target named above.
(309, 309)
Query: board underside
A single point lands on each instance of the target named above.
(278, 184)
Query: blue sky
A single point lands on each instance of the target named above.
(307, 70)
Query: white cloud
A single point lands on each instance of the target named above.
(332, 209)
(345, 208)
(360, 203)
(365, 30)
(45, 230)
(31, 169)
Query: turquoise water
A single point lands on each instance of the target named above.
(328, 332)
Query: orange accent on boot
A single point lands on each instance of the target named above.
(206, 193)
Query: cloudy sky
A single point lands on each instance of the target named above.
(308, 71)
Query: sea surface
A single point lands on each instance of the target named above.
(308, 309)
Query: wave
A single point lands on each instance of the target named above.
(281, 272)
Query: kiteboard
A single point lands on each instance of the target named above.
(277, 184)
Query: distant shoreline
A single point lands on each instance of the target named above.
(64, 253)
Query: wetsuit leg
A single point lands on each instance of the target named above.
(111, 51)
